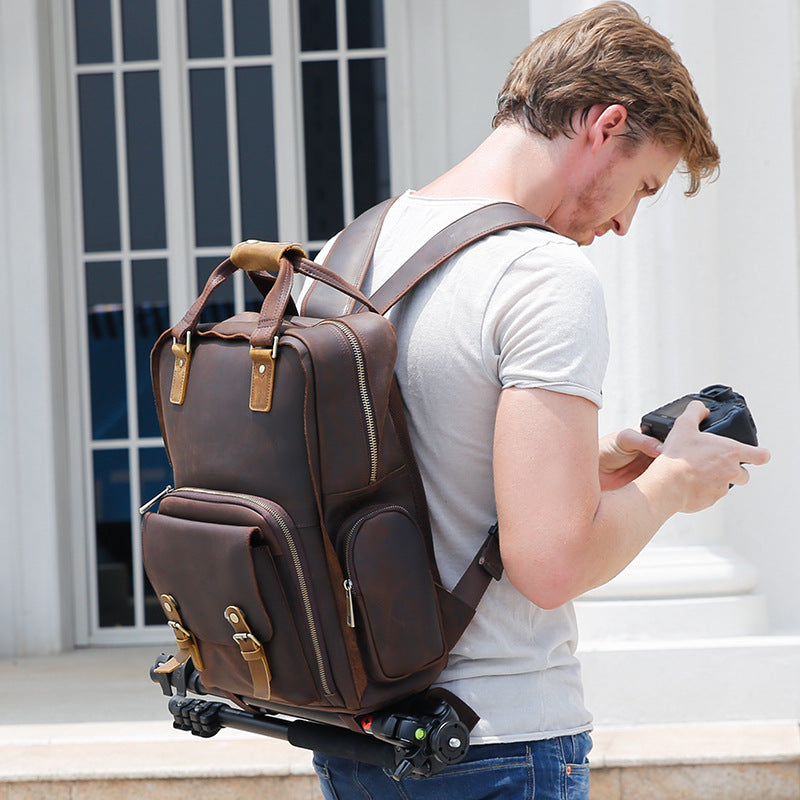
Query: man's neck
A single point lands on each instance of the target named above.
(511, 164)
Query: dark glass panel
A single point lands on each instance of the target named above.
(93, 31)
(99, 163)
(112, 508)
(253, 299)
(148, 228)
(322, 138)
(210, 158)
(204, 22)
(151, 318)
(257, 180)
(251, 31)
(139, 30)
(317, 25)
(221, 305)
(106, 350)
(155, 474)
(365, 23)
(369, 132)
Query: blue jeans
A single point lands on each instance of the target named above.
(552, 769)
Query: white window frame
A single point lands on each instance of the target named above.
(180, 252)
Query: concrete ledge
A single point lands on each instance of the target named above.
(146, 760)
(708, 761)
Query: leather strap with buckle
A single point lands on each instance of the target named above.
(252, 652)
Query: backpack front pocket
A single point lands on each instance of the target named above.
(224, 564)
(390, 593)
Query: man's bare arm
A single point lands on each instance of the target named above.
(560, 534)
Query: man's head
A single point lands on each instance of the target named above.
(608, 55)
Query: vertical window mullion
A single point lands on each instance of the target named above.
(344, 112)
(233, 143)
(175, 121)
(127, 311)
(290, 171)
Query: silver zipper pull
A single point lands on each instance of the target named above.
(351, 616)
(160, 496)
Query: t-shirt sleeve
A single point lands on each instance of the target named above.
(545, 323)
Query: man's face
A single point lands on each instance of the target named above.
(605, 194)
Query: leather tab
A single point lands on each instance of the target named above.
(253, 255)
(252, 652)
(187, 644)
(180, 372)
(489, 554)
(262, 378)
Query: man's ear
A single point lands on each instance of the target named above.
(604, 123)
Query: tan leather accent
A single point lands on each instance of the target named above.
(253, 255)
(262, 379)
(180, 373)
(187, 644)
(252, 652)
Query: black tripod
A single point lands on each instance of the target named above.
(416, 738)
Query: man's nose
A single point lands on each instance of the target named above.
(621, 223)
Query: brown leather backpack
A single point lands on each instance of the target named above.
(294, 560)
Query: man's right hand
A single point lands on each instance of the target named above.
(704, 465)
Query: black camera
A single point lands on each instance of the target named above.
(728, 415)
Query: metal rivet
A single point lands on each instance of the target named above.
(234, 617)
(181, 362)
(262, 368)
(167, 607)
(455, 743)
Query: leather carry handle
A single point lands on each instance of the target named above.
(256, 257)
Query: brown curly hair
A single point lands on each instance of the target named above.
(609, 55)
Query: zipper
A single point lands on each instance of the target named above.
(350, 587)
(363, 389)
(160, 496)
(295, 555)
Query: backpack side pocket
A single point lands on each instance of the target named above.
(391, 596)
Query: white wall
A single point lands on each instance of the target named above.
(449, 59)
(35, 595)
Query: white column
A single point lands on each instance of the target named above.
(34, 536)
(702, 291)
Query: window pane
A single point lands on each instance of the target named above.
(251, 27)
(323, 149)
(93, 31)
(139, 30)
(113, 537)
(155, 474)
(253, 299)
(221, 305)
(98, 163)
(365, 23)
(106, 350)
(145, 161)
(369, 131)
(204, 18)
(150, 320)
(317, 25)
(257, 181)
(210, 158)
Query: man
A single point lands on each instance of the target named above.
(502, 356)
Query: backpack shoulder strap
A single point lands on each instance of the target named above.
(351, 254)
(350, 257)
(444, 245)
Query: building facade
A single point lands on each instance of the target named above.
(140, 139)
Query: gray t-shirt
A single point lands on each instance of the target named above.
(520, 308)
